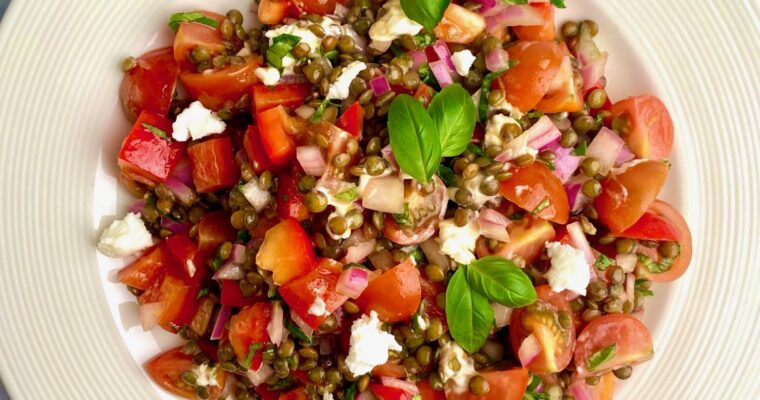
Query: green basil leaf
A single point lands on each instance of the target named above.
(204, 291)
(475, 149)
(249, 357)
(455, 116)
(516, 216)
(543, 205)
(468, 313)
(447, 175)
(347, 195)
(281, 47)
(243, 236)
(350, 393)
(155, 130)
(178, 18)
(317, 116)
(600, 357)
(414, 138)
(580, 150)
(424, 39)
(641, 290)
(515, 2)
(426, 75)
(558, 3)
(501, 281)
(298, 333)
(602, 262)
(427, 13)
(485, 89)
(535, 114)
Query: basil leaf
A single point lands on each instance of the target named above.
(485, 89)
(204, 291)
(473, 148)
(535, 114)
(414, 139)
(317, 116)
(426, 75)
(447, 175)
(281, 47)
(535, 381)
(347, 195)
(243, 236)
(468, 313)
(424, 39)
(501, 281)
(516, 216)
(600, 357)
(543, 205)
(454, 115)
(558, 3)
(298, 333)
(581, 149)
(249, 357)
(156, 131)
(350, 393)
(602, 262)
(178, 18)
(427, 13)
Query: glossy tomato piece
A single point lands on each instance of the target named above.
(144, 156)
(254, 148)
(651, 226)
(166, 369)
(430, 290)
(185, 255)
(218, 89)
(629, 337)
(287, 252)
(319, 7)
(145, 270)
(395, 295)
(290, 201)
(459, 25)
(407, 235)
(541, 319)
(213, 164)
(391, 369)
(566, 93)
(213, 230)
(232, 295)
(428, 393)
(176, 298)
(150, 85)
(388, 393)
(545, 31)
(301, 293)
(295, 394)
(425, 210)
(626, 196)
(647, 127)
(605, 389)
(535, 189)
(424, 94)
(272, 12)
(286, 95)
(278, 145)
(526, 83)
(352, 120)
(249, 327)
(504, 385)
(527, 237)
(683, 237)
(194, 34)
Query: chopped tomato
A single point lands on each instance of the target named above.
(395, 295)
(406, 235)
(430, 290)
(145, 270)
(683, 237)
(391, 369)
(626, 196)
(295, 394)
(177, 299)
(213, 230)
(248, 329)
(286, 95)
(541, 319)
(150, 85)
(626, 335)
(194, 34)
(544, 32)
(529, 80)
(527, 237)
(425, 210)
(166, 369)
(290, 201)
(272, 12)
(647, 127)
(255, 150)
(651, 226)
(277, 143)
(537, 190)
(425, 94)
(287, 252)
(213, 164)
(185, 254)
(301, 293)
(388, 393)
(352, 120)
(218, 89)
(144, 156)
(319, 7)
(459, 25)
(566, 94)
(504, 385)
(605, 389)
(232, 295)
(428, 393)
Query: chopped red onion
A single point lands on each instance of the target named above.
(575, 195)
(137, 207)
(624, 156)
(184, 171)
(380, 85)
(407, 387)
(502, 314)
(442, 73)
(260, 375)
(352, 282)
(325, 344)
(493, 225)
(306, 328)
(418, 57)
(580, 391)
(432, 250)
(542, 133)
(493, 349)
(276, 325)
(305, 111)
(221, 319)
(441, 49)
(565, 162)
(365, 395)
(241, 157)
(606, 148)
(591, 60)
(630, 287)
(184, 194)
(529, 350)
(174, 226)
(522, 15)
(312, 160)
(150, 315)
(497, 60)
(229, 272)
(237, 255)
(384, 194)
(580, 242)
(387, 154)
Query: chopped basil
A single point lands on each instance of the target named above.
(350, 393)
(475, 149)
(216, 263)
(155, 130)
(426, 75)
(284, 384)
(204, 291)
(447, 175)
(655, 267)
(535, 114)
(243, 236)
(534, 383)
(535, 396)
(281, 47)
(403, 219)
(396, 50)
(427, 13)
(641, 290)
(602, 262)
(200, 18)
(501, 281)
(454, 116)
(298, 333)
(249, 357)
(347, 195)
(414, 138)
(551, 165)
(485, 89)
(469, 314)
(580, 150)
(416, 253)
(541, 206)
(424, 39)
(417, 396)
(317, 116)
(332, 56)
(600, 357)
(558, 3)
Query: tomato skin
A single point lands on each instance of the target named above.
(232, 295)
(250, 326)
(145, 270)
(625, 197)
(295, 394)
(222, 88)
(568, 96)
(254, 149)
(683, 237)
(290, 201)
(605, 389)
(395, 295)
(631, 337)
(429, 291)
(287, 95)
(545, 32)
(526, 239)
(287, 252)
(459, 25)
(649, 131)
(145, 157)
(527, 83)
(352, 120)
(192, 34)
(319, 7)
(278, 145)
(651, 226)
(505, 385)
(557, 348)
(150, 85)
(177, 298)
(425, 94)
(301, 293)
(390, 369)
(388, 393)
(213, 230)
(272, 12)
(185, 255)
(213, 165)
(531, 185)
(166, 368)
(428, 393)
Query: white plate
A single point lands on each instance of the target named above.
(67, 331)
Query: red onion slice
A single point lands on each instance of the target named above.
(493, 225)
(529, 350)
(150, 315)
(174, 226)
(441, 49)
(497, 60)
(580, 242)
(260, 375)
(520, 15)
(184, 194)
(606, 148)
(432, 250)
(276, 325)
(184, 171)
(229, 272)
(418, 57)
(384, 194)
(221, 319)
(407, 387)
(312, 160)
(380, 85)
(137, 207)
(442, 73)
(352, 282)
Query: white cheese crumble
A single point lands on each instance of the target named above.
(124, 237)
(205, 376)
(258, 197)
(463, 61)
(328, 395)
(196, 121)
(569, 269)
(456, 367)
(190, 265)
(318, 308)
(340, 89)
(301, 29)
(459, 242)
(369, 345)
(393, 24)
(268, 76)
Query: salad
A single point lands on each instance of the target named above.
(393, 200)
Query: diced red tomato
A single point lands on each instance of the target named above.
(290, 201)
(529, 81)
(272, 12)
(537, 190)
(319, 7)
(267, 394)
(277, 143)
(352, 120)
(395, 295)
(150, 85)
(185, 254)
(248, 327)
(629, 336)
(542, 321)
(648, 130)
(427, 207)
(605, 389)
(504, 385)
(651, 226)
(683, 236)
(405, 235)
(193, 34)
(526, 239)
(144, 156)
(545, 32)
(626, 196)
(425, 94)
(428, 393)
(145, 270)
(459, 25)
(566, 94)
(391, 369)
(213, 230)
(218, 89)
(287, 252)
(301, 293)
(166, 369)
(232, 295)
(177, 298)
(295, 394)
(430, 290)
(286, 95)
(255, 150)
(213, 164)
(388, 393)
